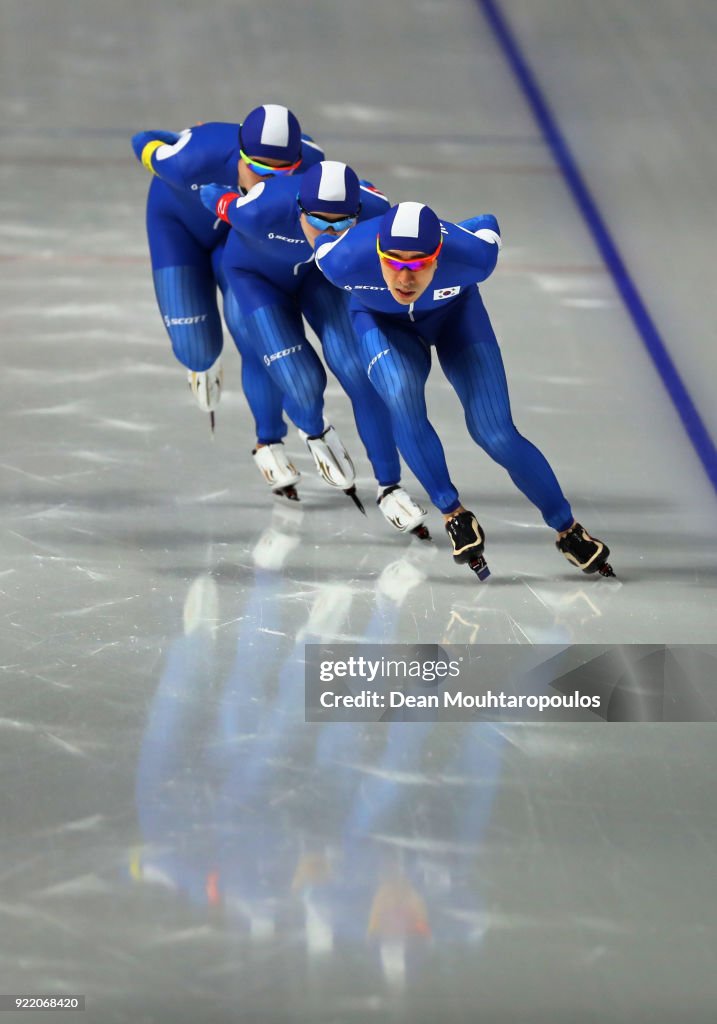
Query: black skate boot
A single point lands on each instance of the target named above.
(586, 552)
(467, 540)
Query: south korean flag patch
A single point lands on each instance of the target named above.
(446, 293)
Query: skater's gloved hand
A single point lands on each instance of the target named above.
(483, 222)
(216, 198)
(140, 140)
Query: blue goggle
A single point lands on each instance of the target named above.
(321, 224)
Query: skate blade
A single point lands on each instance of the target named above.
(212, 422)
(287, 492)
(607, 571)
(480, 568)
(351, 492)
(421, 532)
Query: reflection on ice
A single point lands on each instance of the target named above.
(322, 836)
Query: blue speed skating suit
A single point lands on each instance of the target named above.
(270, 270)
(186, 245)
(395, 344)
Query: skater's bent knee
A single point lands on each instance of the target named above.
(499, 444)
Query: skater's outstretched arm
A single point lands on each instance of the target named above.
(262, 208)
(175, 157)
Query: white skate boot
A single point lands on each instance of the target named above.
(207, 388)
(333, 462)
(401, 511)
(277, 469)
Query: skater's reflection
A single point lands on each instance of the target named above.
(345, 837)
(546, 613)
(200, 714)
(201, 718)
(398, 871)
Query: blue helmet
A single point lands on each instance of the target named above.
(410, 227)
(273, 132)
(330, 187)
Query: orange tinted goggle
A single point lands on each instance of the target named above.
(417, 264)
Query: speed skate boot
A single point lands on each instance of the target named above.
(207, 388)
(586, 552)
(468, 540)
(401, 511)
(277, 469)
(333, 462)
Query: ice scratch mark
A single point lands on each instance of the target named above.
(85, 885)
(103, 458)
(10, 723)
(108, 311)
(425, 845)
(187, 935)
(69, 748)
(409, 778)
(76, 612)
(136, 428)
(82, 824)
(23, 472)
(112, 643)
(97, 577)
(68, 409)
(62, 511)
(195, 500)
(47, 377)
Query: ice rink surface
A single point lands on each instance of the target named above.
(176, 842)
